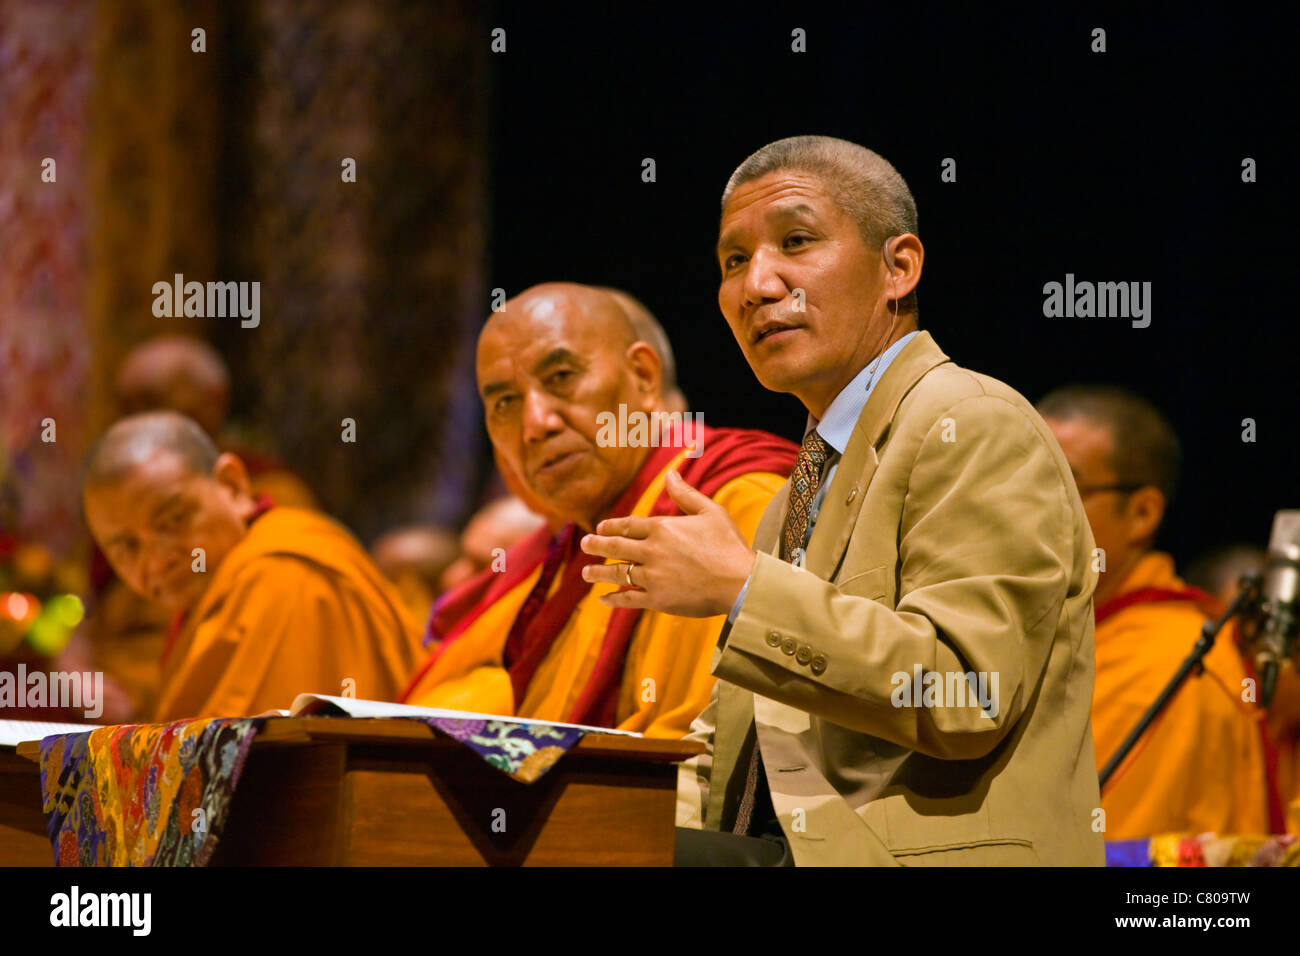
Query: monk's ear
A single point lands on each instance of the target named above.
(647, 371)
(1145, 511)
(230, 473)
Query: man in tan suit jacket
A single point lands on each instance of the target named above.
(910, 643)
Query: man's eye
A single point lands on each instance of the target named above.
(732, 261)
(798, 238)
(502, 403)
(560, 378)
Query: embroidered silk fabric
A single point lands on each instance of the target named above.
(126, 795)
(524, 751)
(1208, 849)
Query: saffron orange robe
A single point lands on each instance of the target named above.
(129, 632)
(1201, 766)
(1284, 727)
(665, 681)
(296, 607)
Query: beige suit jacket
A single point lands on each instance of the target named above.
(952, 545)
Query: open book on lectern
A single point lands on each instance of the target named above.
(15, 732)
(311, 705)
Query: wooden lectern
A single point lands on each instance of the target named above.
(322, 791)
(23, 840)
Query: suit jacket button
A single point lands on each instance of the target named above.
(805, 654)
(773, 639)
(853, 493)
(818, 665)
(789, 645)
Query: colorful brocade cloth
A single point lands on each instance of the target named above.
(159, 794)
(524, 751)
(142, 794)
(1208, 849)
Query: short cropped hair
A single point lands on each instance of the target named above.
(862, 183)
(132, 440)
(1146, 448)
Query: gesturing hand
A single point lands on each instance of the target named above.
(692, 565)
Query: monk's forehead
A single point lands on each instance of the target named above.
(534, 326)
(157, 472)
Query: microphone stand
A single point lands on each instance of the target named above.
(1249, 594)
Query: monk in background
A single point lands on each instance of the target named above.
(269, 601)
(529, 637)
(1218, 573)
(182, 374)
(415, 559)
(1201, 766)
(493, 529)
(424, 561)
(124, 634)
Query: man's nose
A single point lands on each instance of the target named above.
(540, 418)
(157, 564)
(763, 282)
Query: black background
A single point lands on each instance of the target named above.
(1115, 166)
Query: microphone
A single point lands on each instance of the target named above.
(1272, 624)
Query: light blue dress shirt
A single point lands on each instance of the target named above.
(836, 428)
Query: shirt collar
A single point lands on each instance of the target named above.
(836, 426)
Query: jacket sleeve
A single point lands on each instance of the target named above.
(693, 775)
(985, 551)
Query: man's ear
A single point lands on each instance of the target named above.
(1144, 512)
(909, 256)
(230, 473)
(647, 370)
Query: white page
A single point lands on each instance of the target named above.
(14, 732)
(379, 708)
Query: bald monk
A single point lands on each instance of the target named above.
(1201, 767)
(532, 638)
(127, 633)
(649, 330)
(491, 530)
(404, 553)
(187, 375)
(270, 601)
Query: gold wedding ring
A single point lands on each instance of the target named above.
(627, 573)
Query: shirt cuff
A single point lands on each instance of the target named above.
(740, 599)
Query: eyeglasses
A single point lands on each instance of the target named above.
(1086, 490)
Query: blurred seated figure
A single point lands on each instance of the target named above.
(187, 375)
(269, 601)
(1202, 765)
(493, 528)
(125, 634)
(415, 559)
(1217, 572)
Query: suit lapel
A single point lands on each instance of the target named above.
(767, 536)
(848, 489)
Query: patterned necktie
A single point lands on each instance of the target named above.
(804, 481)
